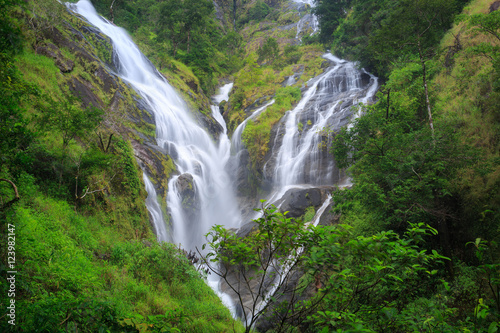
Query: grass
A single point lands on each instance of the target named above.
(70, 256)
(257, 133)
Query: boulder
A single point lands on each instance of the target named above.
(296, 200)
(222, 106)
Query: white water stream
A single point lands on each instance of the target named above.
(200, 163)
(326, 104)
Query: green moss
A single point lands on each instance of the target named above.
(182, 78)
(257, 133)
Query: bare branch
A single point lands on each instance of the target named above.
(94, 191)
(16, 197)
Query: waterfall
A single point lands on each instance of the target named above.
(327, 103)
(307, 19)
(223, 95)
(201, 194)
(302, 158)
(154, 209)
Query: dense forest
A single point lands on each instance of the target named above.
(411, 246)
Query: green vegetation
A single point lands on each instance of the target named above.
(257, 133)
(256, 262)
(262, 82)
(406, 172)
(257, 12)
(269, 51)
(418, 247)
(425, 152)
(383, 282)
(379, 34)
(83, 272)
(185, 31)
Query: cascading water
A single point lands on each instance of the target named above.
(308, 19)
(223, 95)
(327, 103)
(155, 210)
(300, 158)
(201, 195)
(237, 146)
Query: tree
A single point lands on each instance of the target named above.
(259, 11)
(260, 268)
(325, 278)
(70, 119)
(330, 14)
(179, 19)
(10, 38)
(268, 51)
(401, 172)
(369, 283)
(15, 136)
(14, 90)
(231, 42)
(414, 27)
(488, 24)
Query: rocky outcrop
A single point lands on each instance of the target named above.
(295, 201)
(187, 190)
(51, 51)
(494, 6)
(210, 124)
(84, 90)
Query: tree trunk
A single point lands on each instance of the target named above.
(174, 44)
(111, 12)
(16, 197)
(388, 103)
(427, 101)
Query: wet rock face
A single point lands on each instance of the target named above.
(185, 185)
(126, 113)
(210, 124)
(156, 163)
(83, 89)
(223, 105)
(191, 204)
(243, 172)
(257, 104)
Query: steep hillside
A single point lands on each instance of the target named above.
(76, 140)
